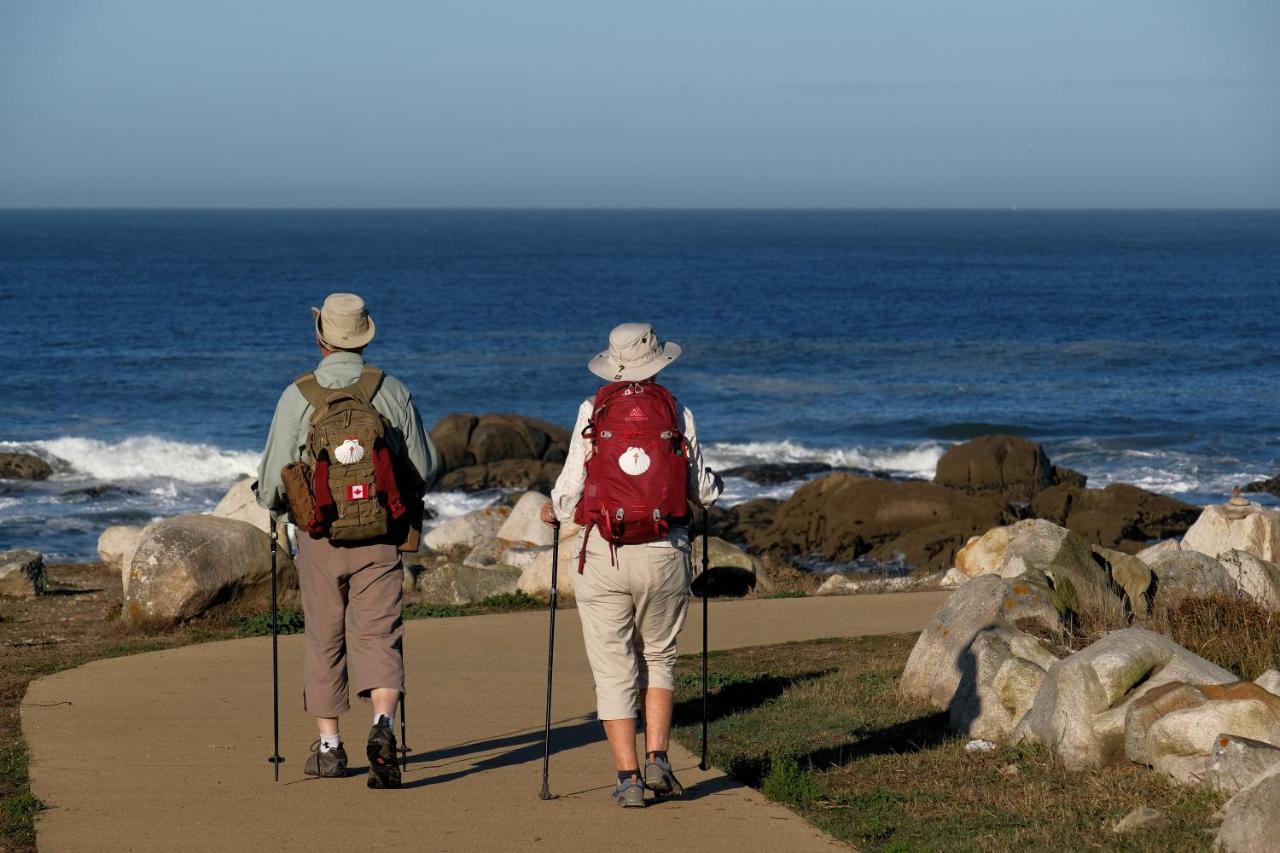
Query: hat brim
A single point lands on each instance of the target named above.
(352, 342)
(609, 370)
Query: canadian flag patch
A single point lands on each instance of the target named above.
(358, 492)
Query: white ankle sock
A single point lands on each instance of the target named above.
(330, 742)
(391, 717)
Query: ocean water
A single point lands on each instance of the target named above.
(144, 350)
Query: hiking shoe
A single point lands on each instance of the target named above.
(659, 778)
(326, 765)
(384, 761)
(629, 794)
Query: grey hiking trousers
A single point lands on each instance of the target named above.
(351, 599)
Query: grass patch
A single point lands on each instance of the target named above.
(820, 728)
(18, 806)
(289, 621)
(1235, 633)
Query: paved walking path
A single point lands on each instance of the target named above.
(167, 751)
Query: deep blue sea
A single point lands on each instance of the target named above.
(144, 350)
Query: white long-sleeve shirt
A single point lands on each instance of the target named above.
(703, 482)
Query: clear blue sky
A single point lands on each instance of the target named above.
(1121, 103)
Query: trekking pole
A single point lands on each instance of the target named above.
(404, 741)
(706, 561)
(275, 758)
(545, 794)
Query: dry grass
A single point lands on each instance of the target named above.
(821, 728)
(1235, 633)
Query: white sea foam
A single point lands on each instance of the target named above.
(449, 505)
(915, 461)
(147, 457)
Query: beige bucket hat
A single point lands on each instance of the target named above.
(343, 322)
(635, 353)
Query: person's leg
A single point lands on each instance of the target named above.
(661, 590)
(375, 636)
(322, 584)
(605, 610)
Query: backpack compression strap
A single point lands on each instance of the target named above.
(363, 388)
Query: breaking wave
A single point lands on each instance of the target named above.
(914, 461)
(143, 457)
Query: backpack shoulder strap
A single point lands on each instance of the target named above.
(368, 384)
(311, 389)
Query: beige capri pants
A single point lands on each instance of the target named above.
(351, 599)
(632, 608)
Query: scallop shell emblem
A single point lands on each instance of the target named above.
(349, 451)
(634, 461)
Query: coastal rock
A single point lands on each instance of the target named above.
(1234, 762)
(525, 524)
(942, 657)
(775, 473)
(116, 545)
(535, 576)
(1120, 516)
(23, 466)
(470, 446)
(1129, 574)
(1054, 555)
(1217, 531)
(1270, 486)
(1147, 554)
(1007, 668)
(527, 474)
(1189, 574)
(1007, 466)
(1249, 822)
(983, 555)
(743, 523)
(466, 531)
(842, 584)
(452, 583)
(1269, 681)
(21, 573)
(843, 517)
(1079, 711)
(1257, 578)
(1173, 728)
(187, 565)
(737, 569)
(240, 503)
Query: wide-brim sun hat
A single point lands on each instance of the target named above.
(343, 322)
(635, 353)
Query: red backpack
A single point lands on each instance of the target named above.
(638, 473)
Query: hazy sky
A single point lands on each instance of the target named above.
(1119, 103)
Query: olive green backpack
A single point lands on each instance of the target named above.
(346, 436)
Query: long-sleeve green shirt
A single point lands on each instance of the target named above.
(292, 420)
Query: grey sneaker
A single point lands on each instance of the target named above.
(384, 761)
(326, 765)
(659, 778)
(629, 795)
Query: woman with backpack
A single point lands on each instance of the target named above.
(633, 464)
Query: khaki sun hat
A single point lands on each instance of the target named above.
(635, 353)
(343, 322)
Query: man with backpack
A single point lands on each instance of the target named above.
(349, 461)
(633, 463)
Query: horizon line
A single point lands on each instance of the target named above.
(637, 208)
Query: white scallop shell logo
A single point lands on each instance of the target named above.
(349, 451)
(634, 461)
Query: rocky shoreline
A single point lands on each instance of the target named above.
(1058, 632)
(836, 517)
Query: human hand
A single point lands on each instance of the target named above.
(549, 515)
